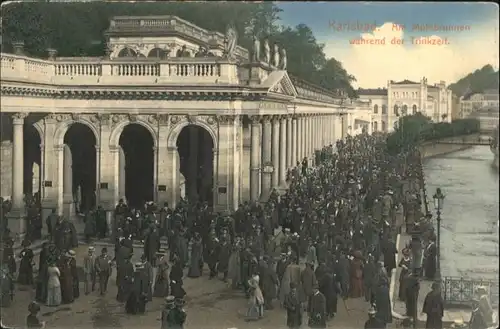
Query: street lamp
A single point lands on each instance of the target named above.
(438, 205)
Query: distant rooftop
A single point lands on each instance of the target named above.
(405, 82)
(372, 92)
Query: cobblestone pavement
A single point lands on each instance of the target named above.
(210, 304)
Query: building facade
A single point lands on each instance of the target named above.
(407, 98)
(473, 102)
(244, 115)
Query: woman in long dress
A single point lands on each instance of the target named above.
(26, 266)
(54, 297)
(356, 275)
(256, 301)
(405, 264)
(161, 288)
(196, 266)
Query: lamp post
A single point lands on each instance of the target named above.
(438, 205)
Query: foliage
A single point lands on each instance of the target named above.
(414, 129)
(77, 29)
(477, 82)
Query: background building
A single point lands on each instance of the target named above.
(473, 102)
(406, 98)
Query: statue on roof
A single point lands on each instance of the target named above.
(267, 52)
(283, 63)
(276, 56)
(256, 49)
(230, 42)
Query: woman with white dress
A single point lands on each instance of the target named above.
(53, 286)
(256, 300)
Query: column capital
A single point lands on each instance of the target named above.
(266, 119)
(275, 119)
(254, 119)
(18, 118)
(227, 119)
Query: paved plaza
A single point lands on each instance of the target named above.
(209, 304)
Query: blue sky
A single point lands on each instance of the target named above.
(466, 50)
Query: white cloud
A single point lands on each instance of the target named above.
(374, 64)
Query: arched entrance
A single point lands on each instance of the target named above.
(80, 142)
(32, 162)
(195, 146)
(137, 144)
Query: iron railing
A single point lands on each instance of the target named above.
(460, 291)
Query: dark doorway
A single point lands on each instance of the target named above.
(137, 144)
(32, 162)
(195, 146)
(82, 142)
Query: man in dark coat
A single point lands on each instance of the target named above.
(370, 279)
(293, 308)
(430, 257)
(212, 251)
(51, 222)
(412, 291)
(137, 299)
(389, 251)
(330, 288)
(152, 245)
(125, 276)
(434, 308)
(223, 259)
(100, 222)
(103, 270)
(317, 309)
(65, 235)
(383, 302)
(268, 282)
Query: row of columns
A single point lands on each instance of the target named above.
(279, 143)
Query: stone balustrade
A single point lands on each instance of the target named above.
(92, 71)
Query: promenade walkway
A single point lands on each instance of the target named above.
(450, 314)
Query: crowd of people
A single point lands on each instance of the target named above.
(339, 217)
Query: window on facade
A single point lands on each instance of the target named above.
(127, 52)
(384, 109)
(414, 109)
(405, 109)
(384, 126)
(396, 112)
(375, 108)
(375, 126)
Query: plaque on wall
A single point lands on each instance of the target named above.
(162, 188)
(47, 183)
(104, 186)
(222, 190)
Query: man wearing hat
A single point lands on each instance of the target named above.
(293, 308)
(373, 322)
(317, 309)
(103, 270)
(169, 306)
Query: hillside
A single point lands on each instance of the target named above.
(479, 81)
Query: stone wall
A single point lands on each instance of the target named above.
(6, 168)
(432, 149)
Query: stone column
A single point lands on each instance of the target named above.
(299, 137)
(305, 137)
(266, 159)
(283, 143)
(255, 164)
(289, 143)
(275, 152)
(68, 205)
(121, 173)
(294, 140)
(16, 220)
(192, 179)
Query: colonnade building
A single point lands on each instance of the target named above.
(81, 132)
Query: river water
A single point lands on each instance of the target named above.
(469, 225)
